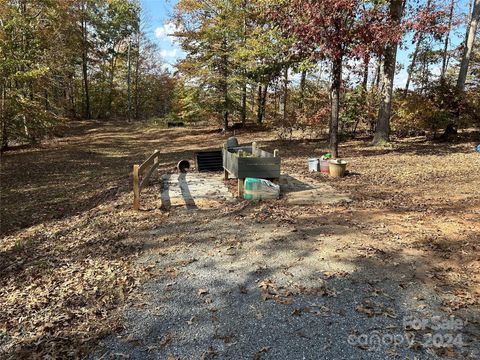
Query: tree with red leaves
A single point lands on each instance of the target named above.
(341, 30)
(337, 30)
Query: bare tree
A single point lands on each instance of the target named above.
(83, 25)
(387, 70)
(447, 38)
(468, 46)
(411, 67)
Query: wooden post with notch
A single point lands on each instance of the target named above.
(225, 171)
(136, 187)
(276, 153)
(240, 186)
(151, 164)
(240, 183)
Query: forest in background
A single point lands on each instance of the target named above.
(287, 65)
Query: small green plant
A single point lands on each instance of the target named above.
(21, 245)
(157, 122)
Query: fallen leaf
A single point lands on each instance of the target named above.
(202, 292)
(259, 353)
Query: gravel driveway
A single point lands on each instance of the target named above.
(246, 282)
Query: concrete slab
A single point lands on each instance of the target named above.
(194, 190)
(207, 190)
(300, 191)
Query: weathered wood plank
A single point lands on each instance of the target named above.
(146, 178)
(136, 187)
(264, 165)
(150, 160)
(263, 154)
(151, 163)
(240, 186)
(246, 161)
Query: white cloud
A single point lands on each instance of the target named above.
(165, 31)
(168, 53)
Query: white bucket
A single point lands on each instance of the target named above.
(313, 165)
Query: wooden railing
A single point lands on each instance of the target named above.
(140, 180)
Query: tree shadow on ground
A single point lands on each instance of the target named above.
(83, 169)
(309, 286)
(302, 147)
(94, 237)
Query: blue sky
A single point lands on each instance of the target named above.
(156, 14)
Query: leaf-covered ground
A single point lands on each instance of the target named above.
(72, 250)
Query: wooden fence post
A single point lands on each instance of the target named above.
(225, 172)
(136, 187)
(240, 187)
(151, 164)
(276, 153)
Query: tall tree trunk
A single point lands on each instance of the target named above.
(243, 115)
(225, 103)
(382, 131)
(411, 67)
(73, 111)
(111, 83)
(225, 120)
(376, 74)
(28, 133)
(424, 75)
(3, 118)
(225, 113)
(303, 80)
(468, 46)
(264, 98)
(253, 96)
(276, 99)
(224, 71)
(259, 103)
(447, 38)
(137, 76)
(129, 70)
(366, 62)
(87, 113)
(335, 105)
(4, 144)
(262, 101)
(284, 95)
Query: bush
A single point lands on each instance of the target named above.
(439, 106)
(26, 121)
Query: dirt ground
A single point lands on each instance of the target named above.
(74, 256)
